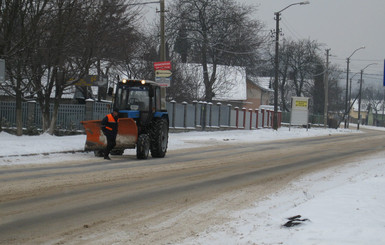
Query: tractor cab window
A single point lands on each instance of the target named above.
(138, 98)
(133, 98)
(121, 99)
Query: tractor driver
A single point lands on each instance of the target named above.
(109, 127)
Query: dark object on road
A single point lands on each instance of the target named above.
(294, 221)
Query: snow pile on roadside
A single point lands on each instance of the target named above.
(45, 143)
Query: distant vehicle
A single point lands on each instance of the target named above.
(143, 121)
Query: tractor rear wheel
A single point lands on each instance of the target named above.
(142, 146)
(159, 137)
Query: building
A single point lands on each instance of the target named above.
(258, 92)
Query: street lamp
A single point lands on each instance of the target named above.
(359, 98)
(347, 86)
(276, 62)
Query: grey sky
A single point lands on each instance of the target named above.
(341, 25)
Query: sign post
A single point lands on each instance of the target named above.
(163, 73)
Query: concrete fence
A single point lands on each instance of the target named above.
(183, 116)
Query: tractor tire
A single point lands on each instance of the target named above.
(159, 138)
(143, 146)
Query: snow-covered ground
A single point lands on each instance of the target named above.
(342, 205)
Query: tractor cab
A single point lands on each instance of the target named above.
(141, 100)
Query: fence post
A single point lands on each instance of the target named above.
(195, 103)
(173, 102)
(244, 117)
(263, 117)
(90, 103)
(229, 121)
(219, 104)
(257, 115)
(184, 103)
(251, 118)
(203, 115)
(210, 112)
(31, 109)
(268, 119)
(236, 116)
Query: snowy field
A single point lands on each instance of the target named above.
(342, 205)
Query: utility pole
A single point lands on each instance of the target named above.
(326, 84)
(276, 64)
(276, 61)
(162, 32)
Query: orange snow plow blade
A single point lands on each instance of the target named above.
(126, 138)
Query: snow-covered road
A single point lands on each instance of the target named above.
(343, 205)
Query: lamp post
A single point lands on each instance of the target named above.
(347, 86)
(359, 98)
(276, 62)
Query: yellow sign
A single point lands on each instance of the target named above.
(301, 103)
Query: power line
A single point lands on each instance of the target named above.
(291, 30)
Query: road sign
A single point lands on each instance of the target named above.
(163, 81)
(164, 65)
(2, 70)
(299, 111)
(163, 73)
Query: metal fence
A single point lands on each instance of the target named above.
(198, 115)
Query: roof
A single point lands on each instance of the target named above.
(230, 81)
(262, 82)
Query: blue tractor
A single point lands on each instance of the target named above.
(143, 121)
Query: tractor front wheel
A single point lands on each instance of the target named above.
(142, 146)
(159, 137)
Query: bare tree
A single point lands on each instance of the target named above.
(214, 32)
(299, 63)
(18, 31)
(303, 63)
(50, 44)
(373, 98)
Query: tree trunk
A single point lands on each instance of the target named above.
(52, 126)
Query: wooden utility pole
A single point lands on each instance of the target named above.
(326, 84)
(162, 32)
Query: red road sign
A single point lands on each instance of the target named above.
(164, 65)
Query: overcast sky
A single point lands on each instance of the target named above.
(341, 25)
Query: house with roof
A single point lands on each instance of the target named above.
(372, 112)
(232, 86)
(258, 92)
